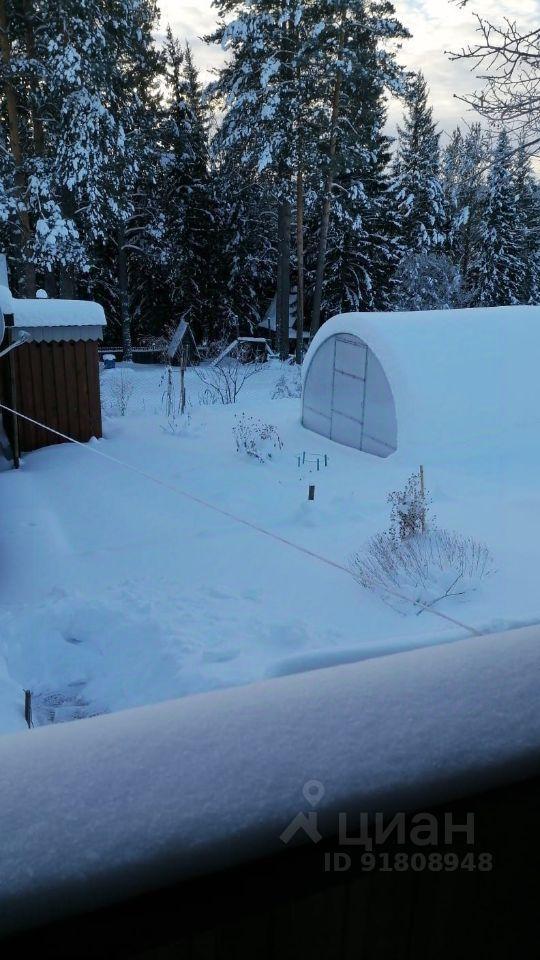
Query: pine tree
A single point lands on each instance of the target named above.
(418, 187)
(498, 271)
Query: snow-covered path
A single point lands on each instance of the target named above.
(118, 592)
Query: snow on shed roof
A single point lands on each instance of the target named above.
(57, 313)
(458, 377)
(6, 300)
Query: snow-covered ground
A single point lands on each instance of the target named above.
(117, 591)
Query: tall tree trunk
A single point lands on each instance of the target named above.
(284, 283)
(284, 207)
(279, 279)
(37, 125)
(67, 282)
(123, 294)
(16, 150)
(328, 188)
(300, 266)
(325, 216)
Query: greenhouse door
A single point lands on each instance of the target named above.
(347, 397)
(349, 391)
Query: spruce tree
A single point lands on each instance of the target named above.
(498, 270)
(463, 175)
(363, 248)
(247, 227)
(190, 217)
(358, 64)
(77, 71)
(418, 187)
(259, 87)
(528, 227)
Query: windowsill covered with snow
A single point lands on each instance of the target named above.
(94, 811)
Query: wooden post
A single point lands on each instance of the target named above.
(183, 363)
(311, 491)
(423, 496)
(28, 708)
(15, 445)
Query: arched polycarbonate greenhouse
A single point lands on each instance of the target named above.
(381, 381)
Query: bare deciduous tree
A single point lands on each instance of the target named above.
(506, 59)
(224, 378)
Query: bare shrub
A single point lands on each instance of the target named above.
(425, 567)
(414, 565)
(168, 397)
(178, 424)
(121, 388)
(288, 384)
(256, 438)
(224, 378)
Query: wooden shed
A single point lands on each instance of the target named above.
(53, 377)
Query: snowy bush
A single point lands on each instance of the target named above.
(410, 508)
(425, 568)
(414, 565)
(224, 378)
(289, 384)
(256, 438)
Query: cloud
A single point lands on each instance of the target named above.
(436, 26)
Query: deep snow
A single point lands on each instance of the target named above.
(117, 592)
(143, 797)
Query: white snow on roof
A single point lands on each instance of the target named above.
(52, 313)
(6, 300)
(457, 376)
(58, 313)
(110, 806)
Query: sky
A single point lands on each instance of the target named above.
(436, 26)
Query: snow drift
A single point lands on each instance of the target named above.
(99, 809)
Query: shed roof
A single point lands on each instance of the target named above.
(460, 378)
(51, 319)
(52, 313)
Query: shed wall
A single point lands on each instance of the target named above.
(56, 383)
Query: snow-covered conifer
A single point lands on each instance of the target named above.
(417, 171)
(498, 271)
